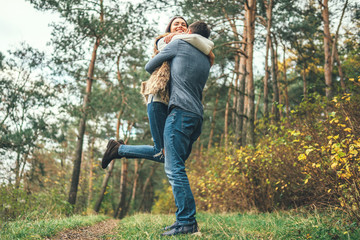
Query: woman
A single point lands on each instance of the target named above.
(157, 97)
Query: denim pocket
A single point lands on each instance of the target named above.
(189, 124)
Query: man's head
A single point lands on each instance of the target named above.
(200, 28)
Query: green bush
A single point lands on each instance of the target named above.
(16, 203)
(310, 159)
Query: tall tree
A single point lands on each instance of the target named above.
(250, 11)
(327, 48)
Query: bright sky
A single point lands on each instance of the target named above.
(19, 22)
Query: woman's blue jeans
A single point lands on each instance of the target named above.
(157, 113)
(182, 128)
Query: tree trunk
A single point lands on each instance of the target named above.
(335, 54)
(137, 169)
(91, 166)
(212, 128)
(266, 77)
(121, 210)
(275, 101)
(279, 87)
(241, 105)
(250, 8)
(17, 171)
(285, 86)
(236, 115)
(103, 187)
(257, 107)
(341, 73)
(79, 145)
(146, 184)
(226, 120)
(327, 50)
(304, 81)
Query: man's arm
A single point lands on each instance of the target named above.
(165, 55)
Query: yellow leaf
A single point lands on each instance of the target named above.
(354, 152)
(347, 129)
(302, 157)
(308, 151)
(333, 166)
(306, 181)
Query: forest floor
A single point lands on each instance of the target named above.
(102, 230)
(278, 225)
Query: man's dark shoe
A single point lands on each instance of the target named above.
(111, 152)
(188, 229)
(175, 224)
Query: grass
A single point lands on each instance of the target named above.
(278, 225)
(40, 229)
(299, 224)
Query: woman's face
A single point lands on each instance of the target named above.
(178, 25)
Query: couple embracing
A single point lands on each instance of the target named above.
(173, 93)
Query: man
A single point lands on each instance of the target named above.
(189, 73)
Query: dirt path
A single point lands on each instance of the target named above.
(96, 231)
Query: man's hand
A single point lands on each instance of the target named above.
(211, 58)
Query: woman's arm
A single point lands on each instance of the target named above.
(167, 54)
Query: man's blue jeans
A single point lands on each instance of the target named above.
(182, 128)
(157, 113)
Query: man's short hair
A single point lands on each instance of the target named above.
(200, 28)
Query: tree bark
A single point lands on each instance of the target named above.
(212, 128)
(250, 8)
(334, 53)
(304, 81)
(226, 120)
(137, 169)
(236, 115)
(86, 101)
(146, 184)
(266, 77)
(17, 171)
(257, 107)
(103, 187)
(327, 50)
(91, 167)
(121, 209)
(275, 101)
(241, 105)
